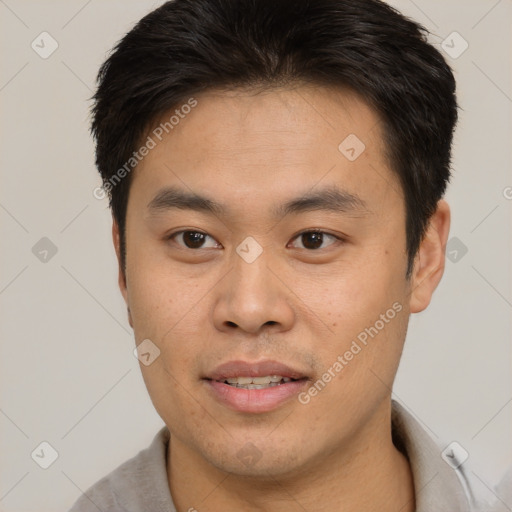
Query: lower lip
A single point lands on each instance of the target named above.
(255, 400)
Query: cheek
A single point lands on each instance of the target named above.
(360, 315)
(159, 296)
(154, 306)
(348, 297)
(168, 308)
(173, 397)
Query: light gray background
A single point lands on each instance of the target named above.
(67, 370)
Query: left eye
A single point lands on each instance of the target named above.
(314, 239)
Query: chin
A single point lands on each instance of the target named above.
(254, 462)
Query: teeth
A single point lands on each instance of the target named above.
(257, 382)
(240, 380)
(262, 380)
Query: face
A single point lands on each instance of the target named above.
(291, 265)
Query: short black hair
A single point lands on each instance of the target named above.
(188, 46)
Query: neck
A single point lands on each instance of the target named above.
(363, 473)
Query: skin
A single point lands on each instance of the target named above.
(296, 304)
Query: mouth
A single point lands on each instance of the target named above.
(265, 382)
(254, 387)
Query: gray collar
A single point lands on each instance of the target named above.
(439, 485)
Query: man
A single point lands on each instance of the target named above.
(276, 173)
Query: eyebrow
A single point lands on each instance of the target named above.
(330, 198)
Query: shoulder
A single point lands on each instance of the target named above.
(100, 496)
(440, 471)
(134, 485)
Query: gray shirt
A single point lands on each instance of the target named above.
(140, 484)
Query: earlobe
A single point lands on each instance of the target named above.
(430, 260)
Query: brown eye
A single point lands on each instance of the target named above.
(313, 240)
(191, 239)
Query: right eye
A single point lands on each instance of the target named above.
(191, 239)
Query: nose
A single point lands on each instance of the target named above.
(251, 297)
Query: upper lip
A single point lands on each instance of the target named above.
(233, 369)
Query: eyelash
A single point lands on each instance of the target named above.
(338, 239)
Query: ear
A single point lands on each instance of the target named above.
(430, 260)
(116, 238)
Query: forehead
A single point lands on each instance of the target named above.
(296, 117)
(256, 143)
